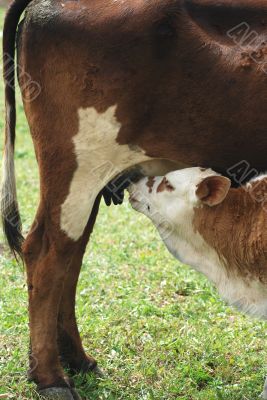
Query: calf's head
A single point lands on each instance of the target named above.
(215, 230)
(170, 201)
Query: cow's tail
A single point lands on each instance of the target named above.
(9, 205)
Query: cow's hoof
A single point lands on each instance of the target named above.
(98, 372)
(55, 393)
(86, 367)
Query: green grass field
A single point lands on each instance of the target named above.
(158, 329)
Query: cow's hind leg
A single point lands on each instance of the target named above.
(48, 255)
(71, 350)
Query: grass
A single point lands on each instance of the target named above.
(158, 329)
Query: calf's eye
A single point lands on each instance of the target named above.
(148, 207)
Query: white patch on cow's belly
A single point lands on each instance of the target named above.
(99, 159)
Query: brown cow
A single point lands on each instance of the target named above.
(109, 85)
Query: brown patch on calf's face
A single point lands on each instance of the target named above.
(165, 185)
(150, 183)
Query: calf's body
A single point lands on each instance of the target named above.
(218, 230)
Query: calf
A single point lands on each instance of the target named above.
(218, 230)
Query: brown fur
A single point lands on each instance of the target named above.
(237, 229)
(150, 183)
(165, 185)
(213, 190)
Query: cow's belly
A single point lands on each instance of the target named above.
(100, 158)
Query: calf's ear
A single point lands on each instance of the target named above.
(213, 190)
